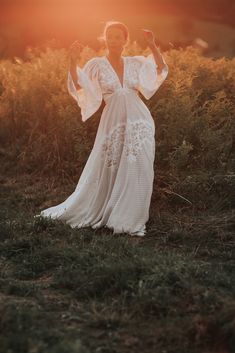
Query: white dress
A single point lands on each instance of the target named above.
(115, 187)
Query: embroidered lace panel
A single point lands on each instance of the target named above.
(127, 139)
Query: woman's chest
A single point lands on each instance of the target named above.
(111, 78)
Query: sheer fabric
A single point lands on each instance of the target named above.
(115, 187)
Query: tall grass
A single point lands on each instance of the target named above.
(41, 129)
(79, 290)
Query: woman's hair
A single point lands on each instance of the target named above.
(116, 24)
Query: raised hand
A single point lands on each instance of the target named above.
(149, 36)
(75, 50)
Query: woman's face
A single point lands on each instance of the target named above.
(115, 39)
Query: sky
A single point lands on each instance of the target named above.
(31, 22)
(65, 20)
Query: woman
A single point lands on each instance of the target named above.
(115, 187)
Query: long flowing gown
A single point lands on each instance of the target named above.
(115, 186)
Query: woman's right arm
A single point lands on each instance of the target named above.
(74, 54)
(73, 72)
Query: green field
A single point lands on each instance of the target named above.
(64, 290)
(67, 290)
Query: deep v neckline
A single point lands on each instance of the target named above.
(123, 76)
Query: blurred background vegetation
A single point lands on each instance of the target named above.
(41, 130)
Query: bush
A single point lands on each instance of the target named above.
(42, 131)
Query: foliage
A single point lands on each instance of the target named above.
(65, 290)
(42, 131)
(76, 290)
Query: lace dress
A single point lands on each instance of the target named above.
(115, 187)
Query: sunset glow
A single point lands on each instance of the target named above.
(31, 22)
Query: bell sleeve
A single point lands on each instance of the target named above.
(149, 79)
(89, 96)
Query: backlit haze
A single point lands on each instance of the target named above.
(32, 22)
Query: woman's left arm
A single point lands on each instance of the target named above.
(149, 36)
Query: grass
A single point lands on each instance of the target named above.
(66, 290)
(83, 290)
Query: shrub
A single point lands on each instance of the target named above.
(42, 131)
